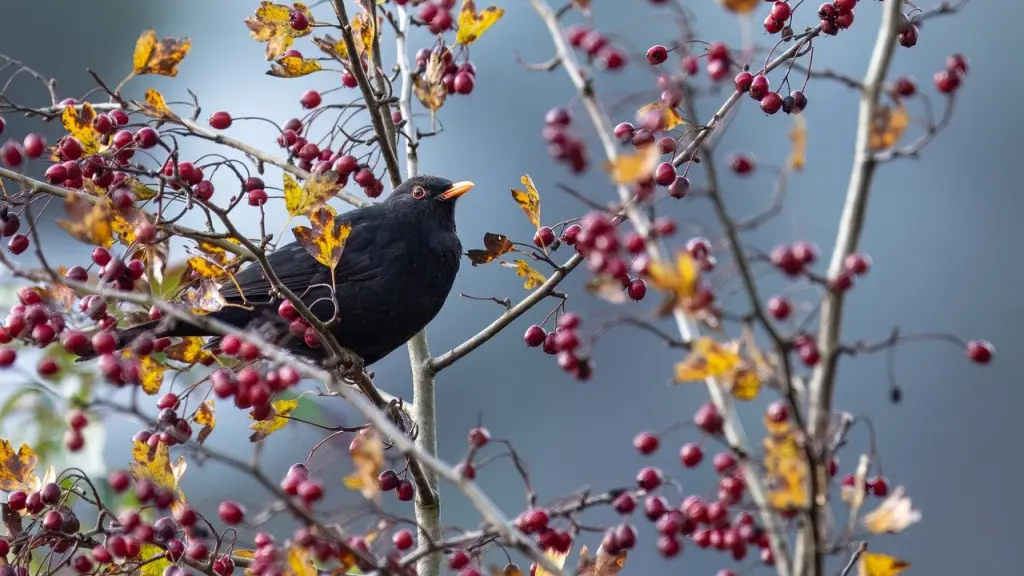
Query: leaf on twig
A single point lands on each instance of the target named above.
(671, 118)
(367, 452)
(272, 25)
(161, 56)
(528, 200)
(151, 372)
(325, 242)
(315, 191)
(603, 564)
(606, 288)
(895, 514)
(189, 350)
(632, 168)
(798, 136)
(429, 85)
(89, 221)
(300, 562)
(153, 560)
(785, 467)
(205, 298)
(557, 558)
(710, 359)
(473, 24)
(211, 261)
(494, 246)
(156, 104)
(206, 417)
(78, 123)
(293, 67)
(871, 564)
(740, 6)
(154, 463)
(264, 428)
(888, 126)
(681, 280)
(16, 468)
(524, 270)
(140, 190)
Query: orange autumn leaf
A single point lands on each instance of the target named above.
(300, 562)
(557, 558)
(264, 428)
(78, 122)
(211, 261)
(161, 56)
(494, 246)
(314, 192)
(473, 24)
(156, 104)
(205, 417)
(785, 468)
(871, 564)
(272, 25)
(189, 350)
(154, 463)
(740, 6)
(151, 374)
(680, 279)
(429, 84)
(528, 200)
(293, 67)
(16, 468)
(367, 452)
(88, 221)
(798, 136)
(888, 127)
(533, 278)
(631, 168)
(325, 241)
(710, 359)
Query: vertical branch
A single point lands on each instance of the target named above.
(688, 330)
(851, 224)
(424, 412)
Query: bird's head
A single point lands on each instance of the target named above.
(432, 195)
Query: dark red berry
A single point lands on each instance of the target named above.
(657, 54)
(980, 351)
(691, 454)
(646, 443)
(649, 478)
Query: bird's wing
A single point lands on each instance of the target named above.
(298, 270)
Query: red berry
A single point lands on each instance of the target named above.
(665, 174)
(669, 546)
(908, 38)
(771, 103)
(955, 62)
(878, 486)
(402, 539)
(655, 507)
(464, 82)
(724, 462)
(637, 289)
(781, 11)
(646, 443)
(611, 58)
(649, 478)
(257, 197)
(405, 491)
(544, 237)
(231, 512)
(773, 26)
(11, 154)
(857, 263)
(146, 137)
(779, 307)
(980, 351)
(77, 420)
(759, 87)
(534, 336)
(18, 244)
(742, 164)
(34, 145)
(946, 81)
(298, 20)
(743, 81)
(691, 454)
(310, 99)
(657, 54)
(777, 412)
(220, 120)
(479, 436)
(905, 86)
(624, 503)
(708, 419)
(809, 354)
(459, 560)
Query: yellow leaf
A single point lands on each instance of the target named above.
(895, 514)
(326, 240)
(880, 565)
(529, 200)
(603, 564)
(798, 135)
(557, 558)
(473, 24)
(205, 417)
(140, 190)
(264, 428)
(90, 221)
(36, 482)
(153, 560)
(524, 270)
(159, 57)
(494, 245)
(304, 200)
(740, 6)
(189, 350)
(429, 85)
(363, 31)
(272, 25)
(204, 299)
(16, 467)
(888, 127)
(511, 569)
(154, 464)
(293, 67)
(681, 280)
(708, 359)
(151, 374)
(745, 384)
(671, 118)
(300, 562)
(785, 469)
(632, 168)
(607, 288)
(78, 123)
(155, 103)
(211, 262)
(367, 452)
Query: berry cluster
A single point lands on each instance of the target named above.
(597, 47)
(776, 19)
(564, 343)
(948, 80)
(319, 161)
(719, 61)
(457, 78)
(836, 16)
(562, 144)
(436, 15)
(13, 153)
(759, 89)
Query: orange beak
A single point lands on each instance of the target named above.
(457, 189)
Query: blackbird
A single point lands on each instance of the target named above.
(395, 273)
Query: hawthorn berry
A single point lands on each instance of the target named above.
(691, 454)
(908, 37)
(34, 145)
(230, 512)
(980, 351)
(12, 154)
(310, 99)
(708, 419)
(479, 436)
(946, 81)
(649, 478)
(857, 263)
(220, 120)
(535, 336)
(405, 491)
(655, 506)
(637, 289)
(403, 539)
(544, 237)
(878, 486)
(759, 87)
(779, 307)
(657, 55)
(771, 103)
(646, 443)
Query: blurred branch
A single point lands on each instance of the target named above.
(732, 430)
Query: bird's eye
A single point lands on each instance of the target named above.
(418, 192)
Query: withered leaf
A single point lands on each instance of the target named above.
(494, 246)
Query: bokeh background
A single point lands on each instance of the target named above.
(943, 232)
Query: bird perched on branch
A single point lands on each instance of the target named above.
(395, 273)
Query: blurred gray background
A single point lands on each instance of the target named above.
(941, 230)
